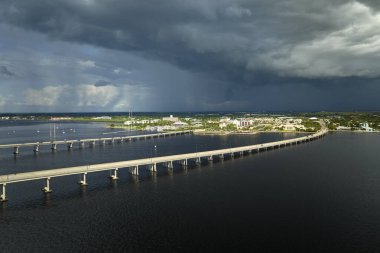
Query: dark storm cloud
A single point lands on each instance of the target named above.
(230, 39)
(102, 83)
(372, 3)
(5, 72)
(235, 50)
(203, 35)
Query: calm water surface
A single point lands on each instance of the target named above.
(322, 196)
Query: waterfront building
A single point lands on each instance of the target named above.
(292, 127)
(60, 118)
(170, 118)
(242, 122)
(343, 128)
(366, 127)
(223, 124)
(225, 119)
(179, 124)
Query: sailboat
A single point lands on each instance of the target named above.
(53, 133)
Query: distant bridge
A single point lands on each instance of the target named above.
(92, 142)
(149, 163)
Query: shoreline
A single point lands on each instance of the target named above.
(108, 125)
(225, 133)
(354, 131)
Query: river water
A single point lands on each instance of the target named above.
(322, 196)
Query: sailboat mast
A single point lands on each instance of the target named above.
(54, 131)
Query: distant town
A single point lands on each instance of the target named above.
(225, 123)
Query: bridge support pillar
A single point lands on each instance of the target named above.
(113, 174)
(36, 148)
(47, 188)
(184, 163)
(16, 150)
(241, 153)
(198, 161)
(53, 147)
(210, 159)
(153, 167)
(3, 196)
(83, 180)
(135, 170)
(170, 165)
(221, 157)
(232, 155)
(81, 144)
(69, 146)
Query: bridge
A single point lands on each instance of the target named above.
(149, 163)
(92, 142)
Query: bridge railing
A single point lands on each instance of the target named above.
(28, 176)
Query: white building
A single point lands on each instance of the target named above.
(366, 127)
(179, 124)
(343, 128)
(223, 124)
(143, 121)
(170, 118)
(52, 118)
(239, 123)
(224, 119)
(293, 127)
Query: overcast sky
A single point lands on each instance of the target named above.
(177, 55)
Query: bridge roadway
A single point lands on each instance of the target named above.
(151, 163)
(16, 147)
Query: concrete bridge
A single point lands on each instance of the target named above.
(148, 163)
(81, 143)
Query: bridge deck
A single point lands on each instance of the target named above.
(2, 146)
(27, 176)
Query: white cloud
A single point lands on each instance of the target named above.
(235, 11)
(87, 64)
(99, 96)
(133, 96)
(121, 71)
(47, 96)
(354, 50)
(3, 101)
